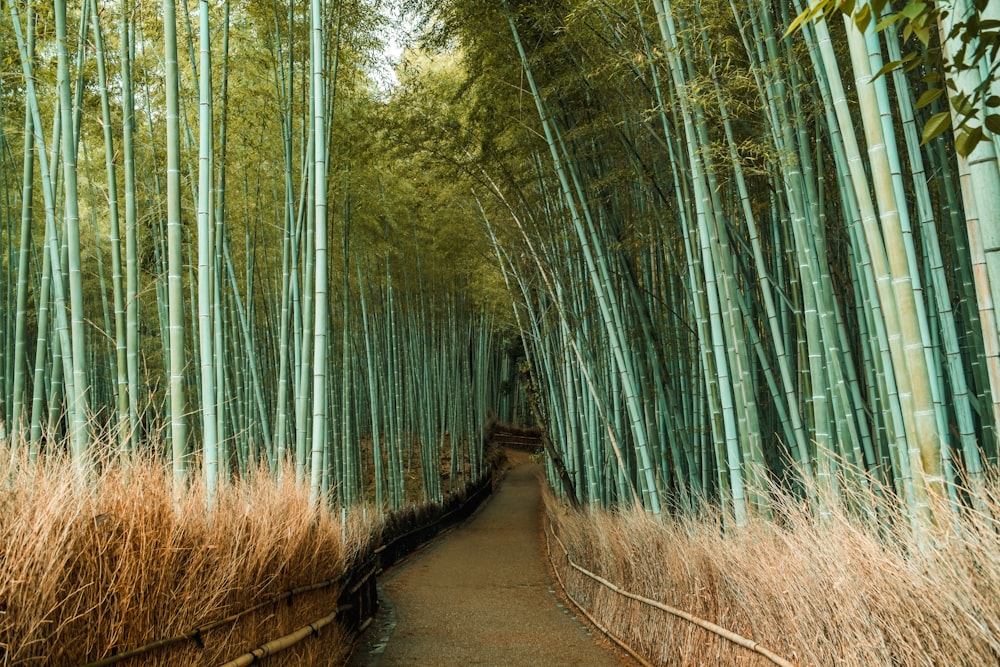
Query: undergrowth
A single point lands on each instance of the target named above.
(89, 570)
(842, 589)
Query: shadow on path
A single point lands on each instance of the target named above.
(482, 595)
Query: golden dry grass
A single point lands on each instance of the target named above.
(840, 591)
(86, 572)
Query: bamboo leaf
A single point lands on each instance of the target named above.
(799, 20)
(888, 67)
(806, 16)
(887, 21)
(923, 33)
(929, 96)
(937, 124)
(913, 10)
(963, 104)
(863, 18)
(992, 123)
(967, 141)
(911, 61)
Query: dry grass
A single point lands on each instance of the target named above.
(841, 591)
(86, 572)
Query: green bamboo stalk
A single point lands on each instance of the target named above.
(219, 342)
(319, 157)
(131, 244)
(175, 309)
(373, 395)
(27, 195)
(120, 361)
(206, 261)
(80, 430)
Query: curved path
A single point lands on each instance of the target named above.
(482, 595)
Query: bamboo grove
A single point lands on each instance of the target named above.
(735, 263)
(207, 258)
(740, 257)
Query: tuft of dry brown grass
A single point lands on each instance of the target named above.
(840, 590)
(87, 571)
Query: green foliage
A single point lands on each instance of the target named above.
(978, 43)
(401, 233)
(672, 180)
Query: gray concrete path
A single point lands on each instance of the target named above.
(481, 595)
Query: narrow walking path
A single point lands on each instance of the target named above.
(482, 595)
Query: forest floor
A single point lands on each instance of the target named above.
(482, 594)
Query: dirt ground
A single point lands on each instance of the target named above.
(481, 595)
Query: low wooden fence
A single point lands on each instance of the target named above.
(513, 437)
(357, 601)
(404, 533)
(564, 554)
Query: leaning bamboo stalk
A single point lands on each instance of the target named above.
(304, 321)
(224, 445)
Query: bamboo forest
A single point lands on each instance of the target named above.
(281, 281)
